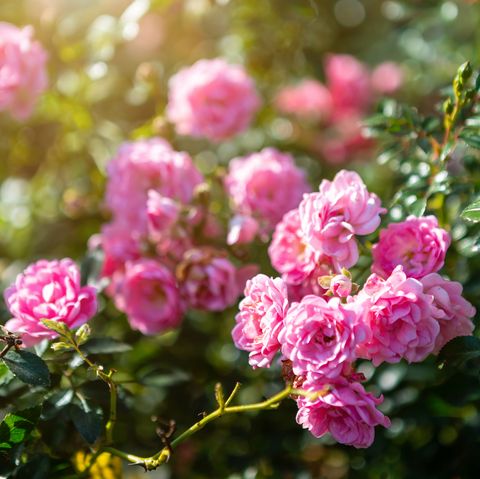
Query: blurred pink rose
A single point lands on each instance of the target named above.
(212, 99)
(119, 244)
(387, 77)
(149, 296)
(289, 253)
(349, 83)
(260, 319)
(417, 244)
(308, 99)
(208, 280)
(320, 337)
(257, 185)
(399, 315)
(453, 312)
(23, 72)
(162, 213)
(48, 290)
(342, 209)
(344, 141)
(347, 411)
(242, 229)
(145, 165)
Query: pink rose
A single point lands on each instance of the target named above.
(417, 244)
(257, 184)
(320, 337)
(308, 99)
(349, 83)
(208, 280)
(342, 209)
(347, 411)
(150, 297)
(162, 213)
(387, 77)
(48, 290)
(146, 165)
(212, 99)
(261, 319)
(341, 285)
(310, 284)
(399, 315)
(119, 244)
(452, 311)
(289, 253)
(23, 73)
(344, 140)
(242, 229)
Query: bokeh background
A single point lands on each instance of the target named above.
(109, 65)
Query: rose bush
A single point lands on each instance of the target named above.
(188, 156)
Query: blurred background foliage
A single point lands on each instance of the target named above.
(109, 65)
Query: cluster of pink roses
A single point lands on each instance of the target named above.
(405, 309)
(341, 104)
(23, 74)
(157, 248)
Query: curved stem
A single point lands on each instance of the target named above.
(162, 456)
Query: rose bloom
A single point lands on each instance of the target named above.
(145, 165)
(387, 77)
(348, 81)
(119, 244)
(48, 290)
(341, 285)
(162, 212)
(452, 311)
(400, 317)
(344, 140)
(208, 280)
(212, 99)
(311, 284)
(242, 229)
(260, 319)
(347, 411)
(308, 99)
(342, 209)
(258, 183)
(289, 253)
(419, 245)
(149, 296)
(320, 337)
(23, 73)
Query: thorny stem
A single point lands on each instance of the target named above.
(153, 462)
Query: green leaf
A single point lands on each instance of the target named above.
(28, 367)
(57, 326)
(417, 208)
(89, 422)
(472, 212)
(56, 402)
(38, 467)
(5, 374)
(471, 138)
(462, 353)
(83, 333)
(104, 346)
(17, 427)
(61, 346)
